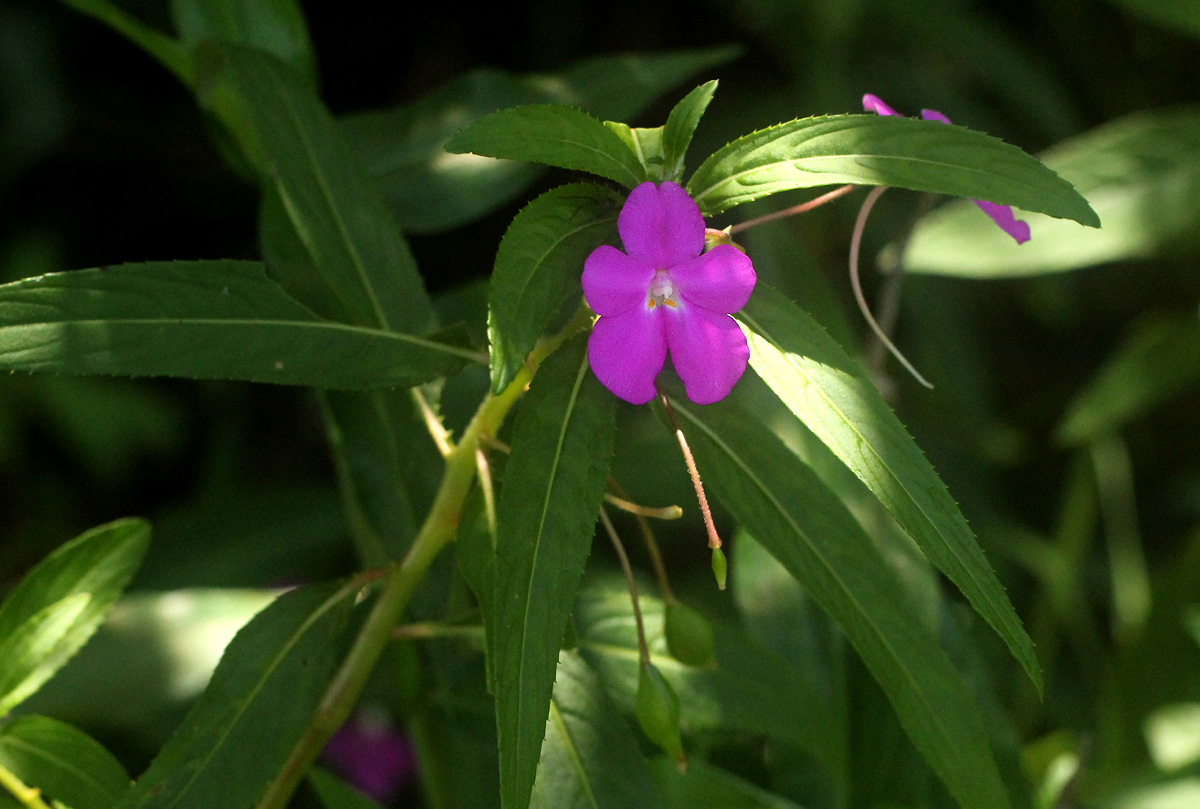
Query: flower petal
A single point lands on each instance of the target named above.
(708, 350)
(1003, 216)
(934, 115)
(873, 103)
(661, 225)
(720, 280)
(613, 282)
(627, 351)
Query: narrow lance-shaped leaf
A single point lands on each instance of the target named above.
(60, 603)
(275, 26)
(64, 763)
(554, 135)
(260, 700)
(826, 390)
(553, 486)
(203, 320)
(789, 510)
(375, 436)
(538, 267)
(590, 757)
(876, 150)
(338, 213)
(681, 125)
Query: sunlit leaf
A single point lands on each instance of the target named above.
(1140, 173)
(802, 524)
(162, 646)
(553, 135)
(681, 125)
(64, 763)
(203, 320)
(538, 267)
(58, 605)
(880, 150)
(553, 485)
(826, 390)
(260, 700)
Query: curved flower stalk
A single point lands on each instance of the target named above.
(1002, 215)
(664, 294)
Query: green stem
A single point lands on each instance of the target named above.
(27, 795)
(402, 578)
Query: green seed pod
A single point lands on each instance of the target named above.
(689, 635)
(719, 566)
(658, 712)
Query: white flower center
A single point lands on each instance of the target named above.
(662, 290)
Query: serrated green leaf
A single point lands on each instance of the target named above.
(590, 758)
(882, 150)
(384, 458)
(335, 793)
(553, 485)
(803, 525)
(166, 50)
(203, 320)
(347, 231)
(65, 764)
(260, 700)
(58, 605)
(553, 135)
(741, 693)
(826, 390)
(29, 652)
(1140, 173)
(538, 267)
(681, 125)
(431, 191)
(1158, 359)
(275, 26)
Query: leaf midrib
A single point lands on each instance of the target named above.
(529, 600)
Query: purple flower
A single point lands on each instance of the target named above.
(665, 294)
(1002, 215)
(368, 753)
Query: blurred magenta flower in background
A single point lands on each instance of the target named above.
(372, 755)
(665, 294)
(1002, 215)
